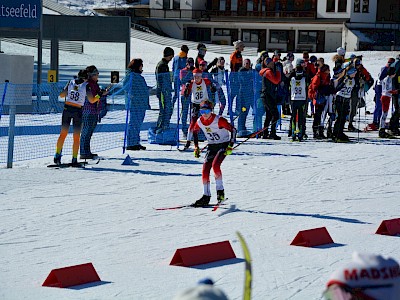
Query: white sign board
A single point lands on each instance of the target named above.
(18, 70)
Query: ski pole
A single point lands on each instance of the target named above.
(254, 134)
(128, 105)
(251, 136)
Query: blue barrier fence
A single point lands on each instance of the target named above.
(132, 103)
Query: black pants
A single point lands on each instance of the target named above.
(318, 110)
(271, 112)
(298, 107)
(342, 106)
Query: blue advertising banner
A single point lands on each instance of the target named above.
(20, 13)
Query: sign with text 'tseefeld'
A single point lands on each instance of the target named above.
(20, 13)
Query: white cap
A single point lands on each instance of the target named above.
(376, 276)
(202, 292)
(341, 51)
(238, 43)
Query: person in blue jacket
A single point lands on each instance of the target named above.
(137, 101)
(178, 63)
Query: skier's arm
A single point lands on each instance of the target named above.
(196, 130)
(64, 92)
(223, 123)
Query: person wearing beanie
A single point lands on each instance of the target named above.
(138, 101)
(76, 92)
(202, 50)
(298, 96)
(271, 77)
(205, 290)
(164, 91)
(186, 76)
(90, 113)
(236, 62)
(221, 136)
(199, 89)
(365, 277)
(178, 63)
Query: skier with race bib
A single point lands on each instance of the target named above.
(220, 136)
(75, 93)
(198, 88)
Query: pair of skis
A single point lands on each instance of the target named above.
(214, 206)
(81, 164)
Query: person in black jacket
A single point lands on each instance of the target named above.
(164, 90)
(271, 78)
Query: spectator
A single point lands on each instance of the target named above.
(363, 78)
(271, 78)
(90, 114)
(394, 120)
(137, 99)
(246, 96)
(186, 75)
(236, 62)
(218, 73)
(366, 277)
(164, 90)
(178, 63)
(378, 93)
(319, 91)
(202, 50)
(259, 110)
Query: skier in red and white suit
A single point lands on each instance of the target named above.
(220, 136)
(198, 88)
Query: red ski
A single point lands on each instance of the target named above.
(216, 206)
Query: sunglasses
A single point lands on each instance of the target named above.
(205, 111)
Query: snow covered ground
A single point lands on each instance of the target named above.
(105, 214)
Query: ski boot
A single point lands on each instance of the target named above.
(220, 196)
(75, 163)
(187, 145)
(342, 138)
(57, 159)
(203, 201)
(384, 134)
(351, 128)
(321, 135)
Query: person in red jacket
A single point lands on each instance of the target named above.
(319, 90)
(220, 136)
(271, 77)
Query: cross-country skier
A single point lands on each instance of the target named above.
(220, 136)
(298, 92)
(198, 87)
(344, 85)
(75, 93)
